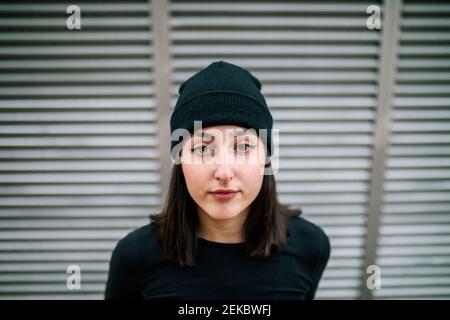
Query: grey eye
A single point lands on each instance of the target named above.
(202, 150)
(246, 147)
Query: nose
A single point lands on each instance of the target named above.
(223, 162)
(223, 173)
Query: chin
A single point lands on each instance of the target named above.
(221, 214)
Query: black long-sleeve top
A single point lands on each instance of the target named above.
(138, 269)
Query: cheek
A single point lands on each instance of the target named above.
(195, 178)
(252, 177)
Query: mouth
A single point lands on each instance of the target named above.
(224, 195)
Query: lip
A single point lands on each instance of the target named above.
(224, 194)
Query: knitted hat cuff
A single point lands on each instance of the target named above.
(223, 107)
(222, 94)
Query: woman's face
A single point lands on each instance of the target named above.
(223, 157)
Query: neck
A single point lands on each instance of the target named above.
(224, 230)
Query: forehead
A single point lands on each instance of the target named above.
(231, 131)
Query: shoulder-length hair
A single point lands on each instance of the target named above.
(265, 229)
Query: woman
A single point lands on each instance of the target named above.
(222, 233)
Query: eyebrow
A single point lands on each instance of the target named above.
(237, 133)
(206, 135)
(241, 132)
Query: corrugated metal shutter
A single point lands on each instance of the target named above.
(414, 243)
(79, 162)
(318, 64)
(80, 156)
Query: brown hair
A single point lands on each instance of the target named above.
(176, 226)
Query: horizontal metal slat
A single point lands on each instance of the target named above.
(78, 153)
(321, 175)
(268, 21)
(78, 38)
(75, 63)
(88, 22)
(74, 91)
(117, 8)
(287, 63)
(78, 177)
(84, 116)
(28, 51)
(75, 77)
(79, 129)
(71, 104)
(79, 189)
(81, 212)
(272, 35)
(260, 50)
(286, 8)
(79, 201)
(74, 141)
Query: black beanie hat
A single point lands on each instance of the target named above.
(222, 93)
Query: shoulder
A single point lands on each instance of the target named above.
(129, 249)
(309, 238)
(301, 226)
(143, 234)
